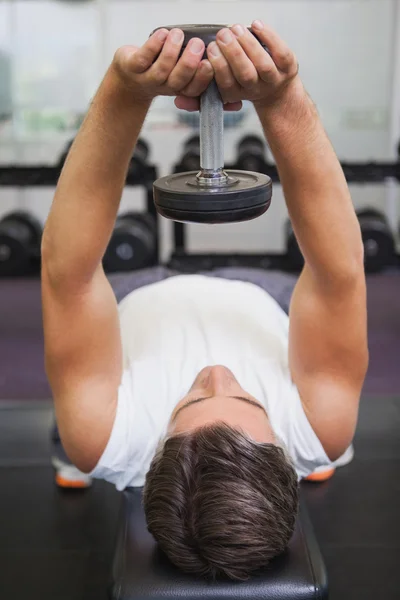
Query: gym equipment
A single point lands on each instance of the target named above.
(20, 240)
(141, 571)
(294, 255)
(139, 159)
(212, 195)
(64, 155)
(379, 247)
(133, 243)
(252, 154)
(190, 160)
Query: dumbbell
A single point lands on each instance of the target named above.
(377, 238)
(139, 159)
(133, 243)
(64, 154)
(252, 154)
(20, 241)
(190, 160)
(294, 255)
(211, 195)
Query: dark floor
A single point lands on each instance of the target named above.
(22, 374)
(58, 546)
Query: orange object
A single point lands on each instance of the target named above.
(66, 483)
(321, 475)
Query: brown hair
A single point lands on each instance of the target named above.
(220, 504)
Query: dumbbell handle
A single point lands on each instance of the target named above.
(211, 129)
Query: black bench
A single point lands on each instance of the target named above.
(142, 572)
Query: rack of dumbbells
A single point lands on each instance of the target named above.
(135, 240)
(378, 238)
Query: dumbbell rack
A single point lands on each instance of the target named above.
(44, 176)
(360, 173)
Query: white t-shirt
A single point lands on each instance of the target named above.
(174, 328)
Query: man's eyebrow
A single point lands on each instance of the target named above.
(197, 400)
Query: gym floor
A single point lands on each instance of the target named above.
(59, 545)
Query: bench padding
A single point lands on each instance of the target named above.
(142, 572)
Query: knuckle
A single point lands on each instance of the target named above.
(160, 75)
(140, 63)
(169, 55)
(266, 71)
(175, 85)
(247, 78)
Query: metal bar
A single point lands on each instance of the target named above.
(212, 129)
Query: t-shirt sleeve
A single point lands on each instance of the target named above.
(121, 460)
(301, 441)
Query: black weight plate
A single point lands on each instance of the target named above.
(371, 214)
(181, 198)
(132, 244)
(207, 33)
(30, 222)
(378, 243)
(14, 257)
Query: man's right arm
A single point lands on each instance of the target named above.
(316, 191)
(328, 324)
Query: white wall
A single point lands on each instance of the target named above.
(60, 51)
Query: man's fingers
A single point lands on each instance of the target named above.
(226, 81)
(282, 55)
(165, 63)
(193, 104)
(187, 67)
(265, 66)
(138, 60)
(242, 67)
(233, 106)
(189, 104)
(200, 81)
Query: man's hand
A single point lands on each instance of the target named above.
(245, 71)
(156, 70)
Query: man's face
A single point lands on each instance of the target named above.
(216, 396)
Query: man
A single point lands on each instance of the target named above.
(197, 386)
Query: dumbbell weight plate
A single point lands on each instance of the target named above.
(139, 159)
(252, 154)
(378, 240)
(20, 239)
(207, 33)
(132, 245)
(191, 155)
(294, 255)
(179, 197)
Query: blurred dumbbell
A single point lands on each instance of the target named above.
(64, 154)
(20, 240)
(294, 255)
(252, 154)
(377, 239)
(133, 243)
(190, 160)
(139, 159)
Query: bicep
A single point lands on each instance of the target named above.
(83, 363)
(328, 355)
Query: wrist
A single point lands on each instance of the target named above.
(124, 90)
(293, 103)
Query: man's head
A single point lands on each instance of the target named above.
(221, 495)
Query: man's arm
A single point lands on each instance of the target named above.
(328, 339)
(82, 337)
(81, 325)
(328, 322)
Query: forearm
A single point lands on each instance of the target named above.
(89, 191)
(316, 192)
